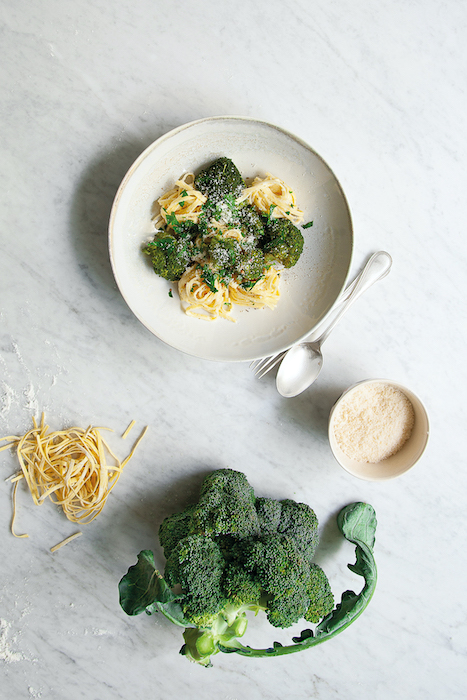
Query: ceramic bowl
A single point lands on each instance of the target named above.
(308, 291)
(398, 463)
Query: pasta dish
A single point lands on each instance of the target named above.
(225, 242)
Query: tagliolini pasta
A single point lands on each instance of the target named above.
(212, 244)
(74, 467)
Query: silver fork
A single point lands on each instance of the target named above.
(266, 364)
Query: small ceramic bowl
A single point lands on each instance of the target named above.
(398, 463)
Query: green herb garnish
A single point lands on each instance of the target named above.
(209, 277)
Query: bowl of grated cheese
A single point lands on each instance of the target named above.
(378, 429)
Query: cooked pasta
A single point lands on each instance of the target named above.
(269, 192)
(200, 300)
(183, 201)
(264, 293)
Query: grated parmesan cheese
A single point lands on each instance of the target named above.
(373, 422)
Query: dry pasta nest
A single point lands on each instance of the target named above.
(75, 468)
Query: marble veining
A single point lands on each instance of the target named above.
(380, 93)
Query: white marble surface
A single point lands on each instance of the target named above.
(379, 90)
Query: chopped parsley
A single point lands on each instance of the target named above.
(173, 222)
(308, 225)
(271, 209)
(209, 277)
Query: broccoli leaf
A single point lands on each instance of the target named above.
(144, 589)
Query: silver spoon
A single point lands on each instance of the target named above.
(302, 363)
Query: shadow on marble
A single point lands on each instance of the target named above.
(139, 521)
(310, 410)
(91, 206)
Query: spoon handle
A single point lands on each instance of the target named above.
(376, 268)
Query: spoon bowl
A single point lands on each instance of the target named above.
(303, 362)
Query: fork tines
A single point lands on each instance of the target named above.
(264, 365)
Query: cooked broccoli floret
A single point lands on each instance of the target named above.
(231, 553)
(283, 243)
(219, 180)
(250, 266)
(170, 256)
(186, 229)
(222, 252)
(251, 222)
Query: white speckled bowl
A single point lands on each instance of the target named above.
(309, 290)
(398, 463)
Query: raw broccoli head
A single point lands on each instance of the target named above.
(283, 243)
(169, 255)
(219, 180)
(238, 550)
(228, 567)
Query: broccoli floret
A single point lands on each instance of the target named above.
(240, 586)
(223, 252)
(269, 515)
(251, 222)
(170, 256)
(284, 575)
(250, 266)
(219, 180)
(174, 528)
(300, 522)
(283, 243)
(226, 506)
(186, 229)
(321, 597)
(196, 564)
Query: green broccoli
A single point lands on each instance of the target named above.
(231, 553)
(169, 255)
(283, 243)
(219, 180)
(192, 555)
(250, 266)
(222, 252)
(251, 222)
